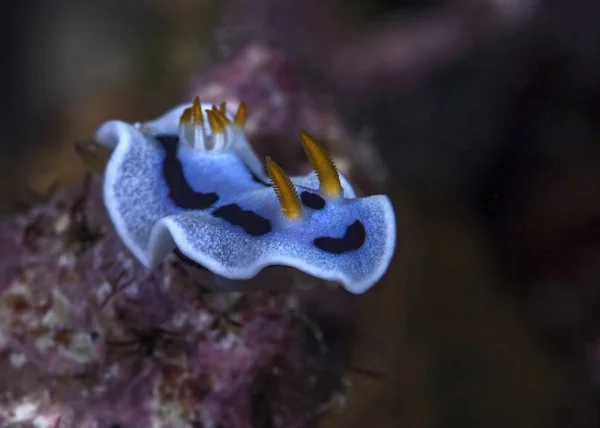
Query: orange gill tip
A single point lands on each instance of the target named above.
(216, 126)
(220, 117)
(240, 115)
(186, 116)
(329, 178)
(285, 190)
(197, 111)
(220, 114)
(223, 107)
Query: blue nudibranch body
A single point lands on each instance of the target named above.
(190, 182)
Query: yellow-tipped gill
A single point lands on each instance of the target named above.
(197, 111)
(224, 120)
(217, 126)
(193, 114)
(240, 115)
(186, 116)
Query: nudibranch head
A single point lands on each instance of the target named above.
(189, 182)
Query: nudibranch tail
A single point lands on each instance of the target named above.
(329, 178)
(240, 115)
(285, 190)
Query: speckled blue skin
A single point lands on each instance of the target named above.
(152, 226)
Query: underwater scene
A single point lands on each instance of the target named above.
(298, 214)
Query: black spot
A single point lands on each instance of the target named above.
(353, 239)
(180, 191)
(186, 260)
(312, 200)
(252, 223)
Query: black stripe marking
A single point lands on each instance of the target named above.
(312, 200)
(252, 223)
(180, 191)
(353, 239)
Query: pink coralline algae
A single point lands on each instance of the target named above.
(90, 338)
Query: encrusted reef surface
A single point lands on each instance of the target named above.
(90, 338)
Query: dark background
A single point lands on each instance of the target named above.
(487, 115)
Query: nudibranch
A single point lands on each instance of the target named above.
(189, 183)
